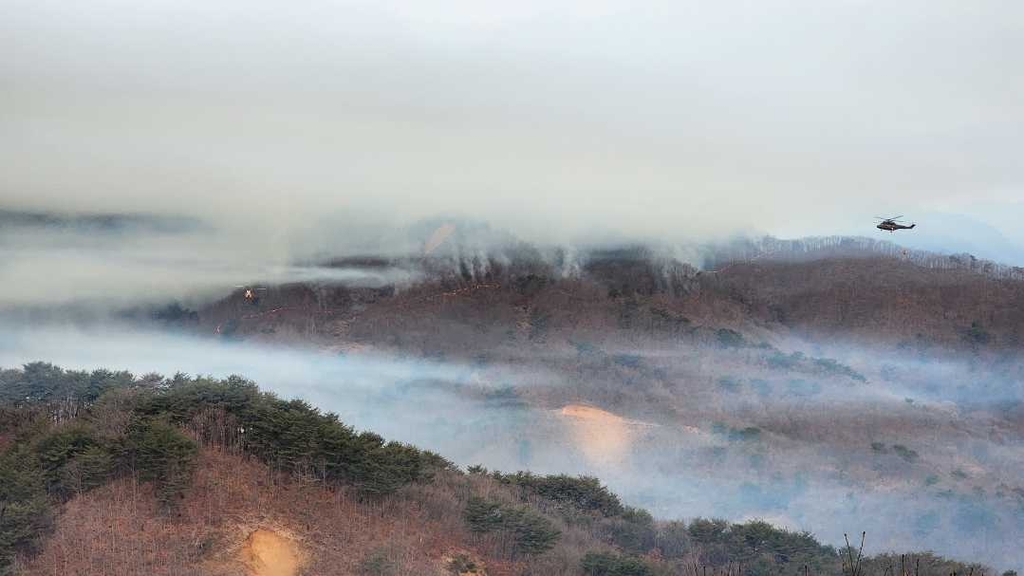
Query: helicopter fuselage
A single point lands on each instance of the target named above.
(892, 226)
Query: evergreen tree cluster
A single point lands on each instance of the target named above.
(50, 461)
(584, 493)
(611, 564)
(72, 431)
(41, 383)
(293, 436)
(759, 546)
(583, 500)
(529, 532)
(24, 507)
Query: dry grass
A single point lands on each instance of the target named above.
(119, 530)
(241, 519)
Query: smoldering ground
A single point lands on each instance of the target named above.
(820, 453)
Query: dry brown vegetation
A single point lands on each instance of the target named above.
(587, 327)
(719, 381)
(240, 518)
(236, 505)
(881, 299)
(231, 514)
(876, 298)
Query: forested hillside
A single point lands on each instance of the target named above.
(106, 472)
(528, 296)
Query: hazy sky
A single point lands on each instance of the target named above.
(555, 119)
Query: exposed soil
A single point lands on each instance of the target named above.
(267, 553)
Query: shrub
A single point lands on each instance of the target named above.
(483, 515)
(830, 366)
(584, 493)
(608, 564)
(57, 450)
(781, 361)
(976, 334)
(748, 433)
(904, 452)
(530, 533)
(728, 338)
(87, 470)
(175, 313)
(25, 512)
(673, 539)
(669, 319)
(634, 530)
(160, 453)
(462, 563)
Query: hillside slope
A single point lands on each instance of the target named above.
(239, 517)
(634, 293)
(198, 476)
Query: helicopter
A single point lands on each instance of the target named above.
(892, 224)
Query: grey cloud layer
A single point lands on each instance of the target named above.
(558, 121)
(104, 269)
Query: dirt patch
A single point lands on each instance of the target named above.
(267, 553)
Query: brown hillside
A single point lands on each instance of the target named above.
(884, 299)
(240, 519)
(881, 298)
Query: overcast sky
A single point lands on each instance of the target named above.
(555, 119)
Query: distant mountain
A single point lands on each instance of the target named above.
(946, 233)
(102, 222)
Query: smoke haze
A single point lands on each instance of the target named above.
(804, 469)
(564, 121)
(180, 151)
